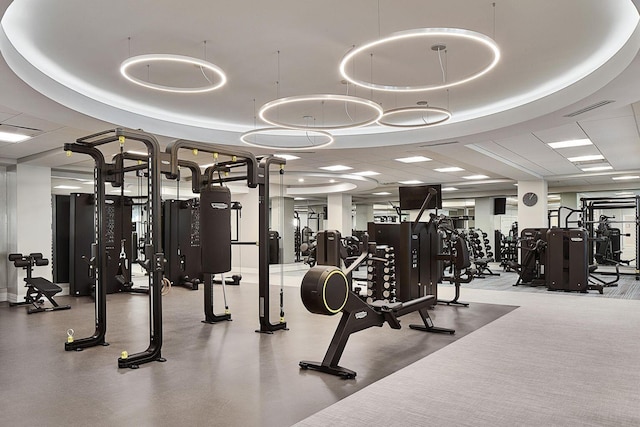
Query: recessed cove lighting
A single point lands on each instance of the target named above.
(287, 156)
(588, 158)
(450, 169)
(382, 193)
(411, 182)
(336, 168)
(12, 137)
(476, 177)
(414, 159)
(597, 168)
(625, 177)
(449, 189)
(570, 143)
(367, 173)
(67, 187)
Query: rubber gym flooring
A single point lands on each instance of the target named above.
(223, 374)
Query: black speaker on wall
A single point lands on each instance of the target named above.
(500, 206)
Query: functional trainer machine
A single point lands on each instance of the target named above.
(327, 290)
(37, 287)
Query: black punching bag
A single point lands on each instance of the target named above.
(215, 229)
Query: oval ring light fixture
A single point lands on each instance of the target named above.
(282, 132)
(384, 120)
(165, 57)
(346, 99)
(421, 32)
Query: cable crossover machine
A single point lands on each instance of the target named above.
(215, 259)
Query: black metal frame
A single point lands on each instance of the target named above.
(257, 175)
(153, 247)
(589, 204)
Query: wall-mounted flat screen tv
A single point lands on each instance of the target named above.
(412, 197)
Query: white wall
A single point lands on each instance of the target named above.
(245, 257)
(532, 216)
(4, 252)
(29, 219)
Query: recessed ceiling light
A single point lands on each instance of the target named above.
(597, 168)
(382, 193)
(411, 182)
(451, 169)
(367, 173)
(287, 156)
(625, 177)
(12, 137)
(67, 187)
(476, 177)
(336, 168)
(332, 181)
(570, 143)
(299, 198)
(449, 189)
(414, 159)
(586, 158)
(300, 179)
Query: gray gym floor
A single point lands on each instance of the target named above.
(223, 374)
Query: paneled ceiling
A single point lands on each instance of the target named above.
(60, 80)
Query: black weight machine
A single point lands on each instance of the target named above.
(607, 248)
(328, 290)
(114, 173)
(257, 175)
(37, 287)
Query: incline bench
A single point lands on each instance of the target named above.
(37, 287)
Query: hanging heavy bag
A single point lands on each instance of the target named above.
(215, 229)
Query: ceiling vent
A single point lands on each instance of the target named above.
(588, 108)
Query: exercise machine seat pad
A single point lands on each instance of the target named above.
(324, 290)
(43, 285)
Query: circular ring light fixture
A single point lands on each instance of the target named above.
(421, 32)
(165, 57)
(374, 107)
(287, 132)
(384, 120)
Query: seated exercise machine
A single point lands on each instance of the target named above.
(327, 290)
(37, 287)
(458, 259)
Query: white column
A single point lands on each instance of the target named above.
(534, 216)
(29, 219)
(339, 213)
(484, 216)
(5, 265)
(364, 215)
(282, 222)
(569, 200)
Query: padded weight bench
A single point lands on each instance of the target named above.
(326, 290)
(37, 287)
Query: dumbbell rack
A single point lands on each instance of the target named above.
(381, 275)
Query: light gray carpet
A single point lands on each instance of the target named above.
(559, 360)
